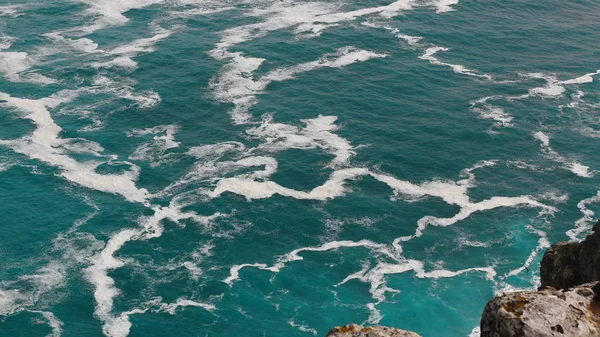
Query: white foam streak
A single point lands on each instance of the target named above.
(234, 83)
(488, 111)
(294, 255)
(15, 65)
(97, 274)
(210, 169)
(124, 90)
(411, 40)
(429, 55)
(542, 137)
(301, 327)
(587, 78)
(4, 166)
(54, 323)
(341, 58)
(197, 257)
(584, 224)
(123, 53)
(154, 151)
(234, 271)
(309, 17)
(198, 11)
(378, 288)
(145, 45)
(120, 325)
(476, 332)
(467, 210)
(6, 42)
(444, 6)
(213, 152)
(573, 166)
(45, 280)
(589, 132)
(84, 45)
(552, 89)
(110, 12)
(171, 308)
(10, 10)
(252, 189)
(45, 144)
(543, 243)
(11, 301)
(124, 62)
(453, 193)
(318, 133)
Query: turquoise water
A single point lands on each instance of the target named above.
(276, 168)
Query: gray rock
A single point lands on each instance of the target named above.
(566, 265)
(354, 330)
(547, 313)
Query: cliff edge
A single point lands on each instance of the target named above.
(569, 264)
(547, 313)
(354, 330)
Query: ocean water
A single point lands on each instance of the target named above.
(278, 167)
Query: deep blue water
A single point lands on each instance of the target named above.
(276, 168)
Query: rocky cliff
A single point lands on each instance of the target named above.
(566, 265)
(354, 330)
(547, 313)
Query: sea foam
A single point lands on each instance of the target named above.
(429, 55)
(454, 193)
(234, 85)
(15, 67)
(318, 133)
(105, 261)
(54, 323)
(46, 145)
(573, 166)
(584, 224)
(154, 151)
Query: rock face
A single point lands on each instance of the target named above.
(547, 313)
(571, 312)
(566, 265)
(354, 330)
